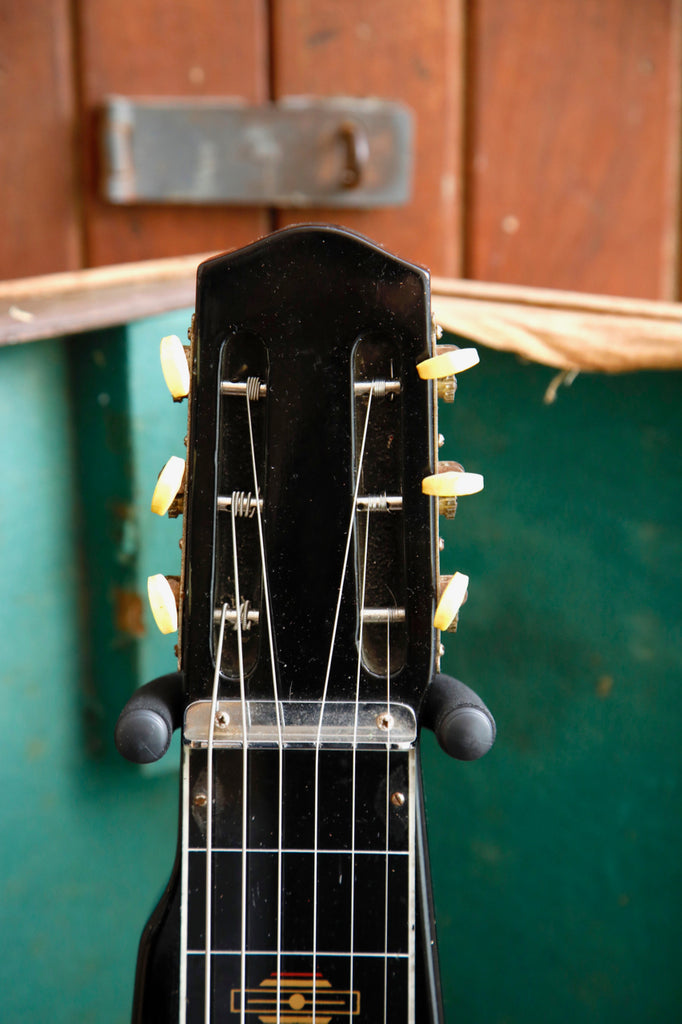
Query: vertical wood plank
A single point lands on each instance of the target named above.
(394, 49)
(574, 144)
(39, 227)
(156, 48)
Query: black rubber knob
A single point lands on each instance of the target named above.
(146, 724)
(463, 725)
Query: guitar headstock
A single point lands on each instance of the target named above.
(310, 607)
(312, 488)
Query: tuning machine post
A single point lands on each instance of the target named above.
(169, 493)
(450, 481)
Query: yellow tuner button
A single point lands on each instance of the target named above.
(163, 603)
(452, 484)
(168, 485)
(448, 363)
(451, 601)
(175, 367)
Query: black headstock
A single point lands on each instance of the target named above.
(325, 325)
(295, 339)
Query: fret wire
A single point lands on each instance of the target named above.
(350, 533)
(278, 710)
(209, 820)
(301, 952)
(355, 752)
(245, 761)
(295, 850)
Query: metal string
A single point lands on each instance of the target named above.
(388, 811)
(278, 711)
(351, 527)
(209, 818)
(354, 770)
(245, 762)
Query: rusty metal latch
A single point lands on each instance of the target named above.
(299, 152)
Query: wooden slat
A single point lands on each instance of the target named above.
(562, 329)
(574, 161)
(395, 49)
(39, 226)
(59, 304)
(156, 48)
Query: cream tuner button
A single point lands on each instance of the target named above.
(168, 486)
(449, 484)
(451, 600)
(444, 366)
(450, 360)
(175, 366)
(163, 601)
(452, 484)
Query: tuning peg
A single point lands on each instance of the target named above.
(175, 366)
(452, 597)
(448, 361)
(169, 488)
(449, 483)
(163, 592)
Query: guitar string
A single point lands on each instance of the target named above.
(245, 762)
(278, 710)
(351, 529)
(209, 820)
(354, 759)
(388, 811)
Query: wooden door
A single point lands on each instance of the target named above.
(547, 144)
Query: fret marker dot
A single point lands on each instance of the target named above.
(297, 1001)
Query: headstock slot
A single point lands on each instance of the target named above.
(243, 362)
(379, 526)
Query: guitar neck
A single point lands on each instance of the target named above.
(327, 897)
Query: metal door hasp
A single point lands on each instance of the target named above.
(299, 152)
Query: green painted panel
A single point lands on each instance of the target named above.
(555, 859)
(557, 868)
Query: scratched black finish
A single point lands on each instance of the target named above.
(309, 295)
(335, 800)
(295, 309)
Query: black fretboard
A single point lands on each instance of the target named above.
(354, 958)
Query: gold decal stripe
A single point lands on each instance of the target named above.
(294, 983)
(297, 1006)
(344, 1003)
(294, 1020)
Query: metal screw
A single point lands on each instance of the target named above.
(397, 799)
(384, 720)
(200, 800)
(222, 719)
